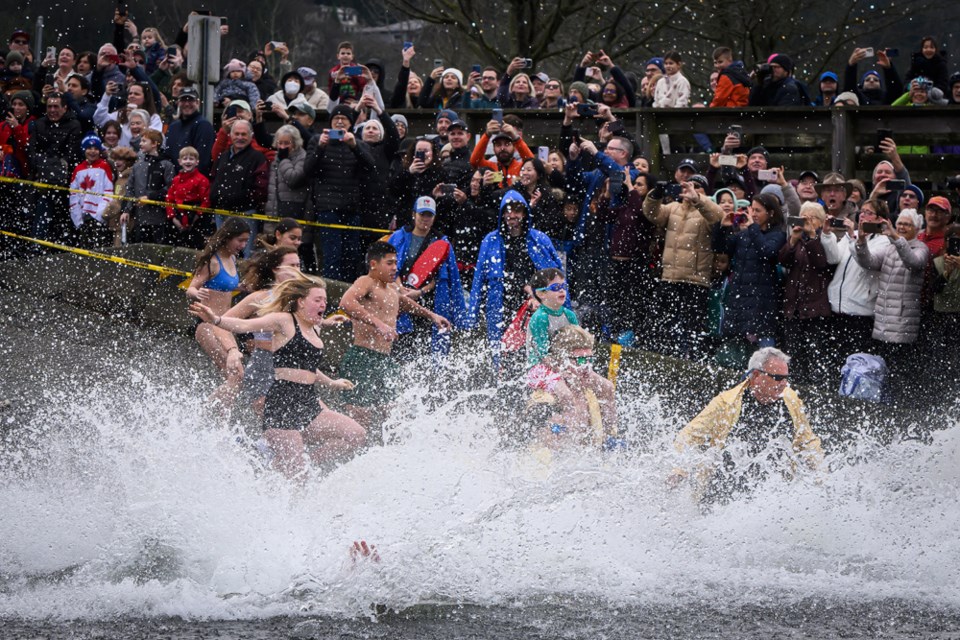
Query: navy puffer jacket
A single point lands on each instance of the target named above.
(753, 303)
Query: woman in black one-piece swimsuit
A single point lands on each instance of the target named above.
(295, 421)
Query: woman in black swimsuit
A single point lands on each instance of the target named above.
(291, 422)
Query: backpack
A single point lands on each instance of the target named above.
(864, 377)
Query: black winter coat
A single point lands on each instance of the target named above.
(54, 148)
(753, 303)
(337, 172)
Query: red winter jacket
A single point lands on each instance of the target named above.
(191, 187)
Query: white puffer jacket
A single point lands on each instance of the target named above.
(853, 290)
(901, 265)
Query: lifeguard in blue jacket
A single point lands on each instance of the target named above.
(508, 259)
(427, 271)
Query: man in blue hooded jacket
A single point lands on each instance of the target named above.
(508, 259)
(444, 291)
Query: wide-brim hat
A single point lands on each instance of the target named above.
(833, 179)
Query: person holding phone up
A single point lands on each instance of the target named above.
(896, 320)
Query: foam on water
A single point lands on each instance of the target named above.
(131, 503)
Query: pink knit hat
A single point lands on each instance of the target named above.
(235, 65)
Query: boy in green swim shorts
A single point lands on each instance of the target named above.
(373, 302)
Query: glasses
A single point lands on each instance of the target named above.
(779, 377)
(554, 288)
(18, 41)
(609, 148)
(609, 91)
(551, 86)
(582, 360)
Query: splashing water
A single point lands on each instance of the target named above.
(131, 503)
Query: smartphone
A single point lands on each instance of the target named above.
(223, 20)
(896, 185)
(447, 189)
(868, 52)
(727, 160)
(736, 130)
(892, 53)
(437, 62)
(477, 68)
(615, 127)
(407, 45)
(498, 176)
(586, 110)
(112, 59)
(171, 52)
(497, 115)
(275, 43)
(739, 218)
(122, 8)
(420, 155)
(872, 227)
(528, 63)
(795, 221)
(953, 246)
(230, 111)
(767, 175)
(353, 70)
(202, 12)
(838, 223)
(543, 153)
(335, 134)
(883, 133)
(51, 52)
(670, 189)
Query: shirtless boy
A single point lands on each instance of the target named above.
(373, 302)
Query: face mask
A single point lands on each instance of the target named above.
(292, 87)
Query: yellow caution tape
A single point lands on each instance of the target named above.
(164, 272)
(189, 207)
(614, 368)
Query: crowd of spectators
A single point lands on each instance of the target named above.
(712, 261)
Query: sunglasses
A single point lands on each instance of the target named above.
(779, 377)
(555, 287)
(551, 86)
(582, 360)
(19, 41)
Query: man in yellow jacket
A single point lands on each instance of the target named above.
(741, 423)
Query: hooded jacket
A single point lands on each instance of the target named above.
(447, 295)
(754, 301)
(891, 87)
(688, 248)
(901, 264)
(488, 278)
(733, 87)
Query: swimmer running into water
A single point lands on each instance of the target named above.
(295, 420)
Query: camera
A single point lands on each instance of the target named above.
(763, 70)
(586, 110)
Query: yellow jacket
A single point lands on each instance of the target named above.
(712, 425)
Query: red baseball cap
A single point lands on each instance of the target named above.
(940, 202)
(19, 32)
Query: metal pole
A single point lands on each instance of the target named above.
(38, 40)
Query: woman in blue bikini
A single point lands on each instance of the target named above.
(215, 278)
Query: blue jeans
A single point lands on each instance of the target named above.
(342, 253)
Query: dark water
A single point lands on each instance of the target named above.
(892, 619)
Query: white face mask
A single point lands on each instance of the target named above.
(292, 87)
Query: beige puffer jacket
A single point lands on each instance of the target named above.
(687, 251)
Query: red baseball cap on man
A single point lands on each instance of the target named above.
(940, 202)
(19, 33)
